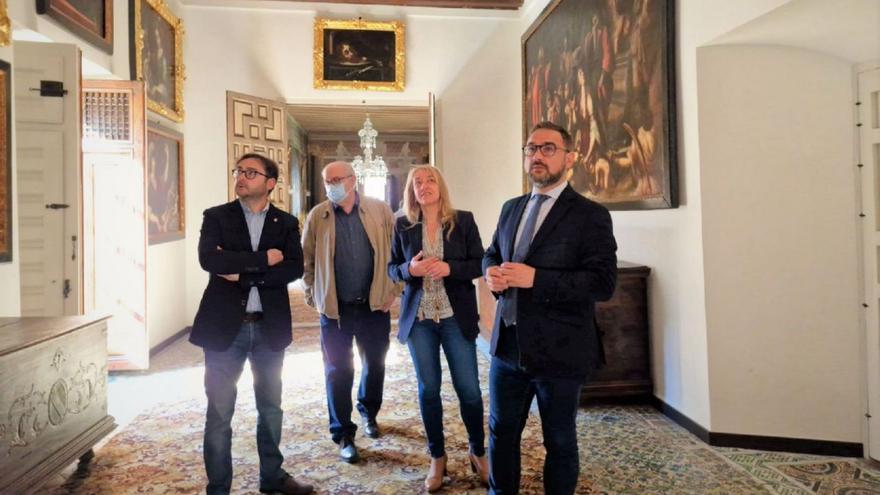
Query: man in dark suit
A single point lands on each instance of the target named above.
(251, 250)
(551, 258)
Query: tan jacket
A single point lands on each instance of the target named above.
(319, 246)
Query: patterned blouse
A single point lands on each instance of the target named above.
(435, 303)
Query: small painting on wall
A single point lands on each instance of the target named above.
(359, 55)
(92, 20)
(165, 191)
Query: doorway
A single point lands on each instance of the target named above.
(329, 133)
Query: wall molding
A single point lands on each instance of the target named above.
(759, 442)
(170, 340)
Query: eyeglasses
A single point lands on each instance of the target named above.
(547, 149)
(249, 173)
(336, 180)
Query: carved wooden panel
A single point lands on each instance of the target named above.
(258, 125)
(53, 403)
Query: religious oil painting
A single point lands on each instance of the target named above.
(604, 70)
(5, 163)
(165, 197)
(157, 55)
(359, 55)
(91, 20)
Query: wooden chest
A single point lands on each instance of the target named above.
(53, 398)
(624, 321)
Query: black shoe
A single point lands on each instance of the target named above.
(347, 450)
(290, 487)
(371, 429)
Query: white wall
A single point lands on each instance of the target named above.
(779, 240)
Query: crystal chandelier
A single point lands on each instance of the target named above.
(367, 167)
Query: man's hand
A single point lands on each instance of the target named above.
(274, 256)
(495, 280)
(518, 275)
(419, 265)
(438, 269)
(232, 277)
(388, 302)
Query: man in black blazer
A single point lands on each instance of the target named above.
(251, 250)
(551, 258)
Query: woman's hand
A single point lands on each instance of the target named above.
(438, 270)
(419, 265)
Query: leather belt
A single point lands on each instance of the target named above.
(252, 317)
(360, 300)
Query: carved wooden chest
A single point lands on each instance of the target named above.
(53, 396)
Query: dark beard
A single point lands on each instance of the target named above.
(548, 180)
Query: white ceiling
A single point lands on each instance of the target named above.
(847, 29)
(346, 119)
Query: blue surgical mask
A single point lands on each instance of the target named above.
(336, 192)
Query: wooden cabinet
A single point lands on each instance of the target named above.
(53, 400)
(624, 322)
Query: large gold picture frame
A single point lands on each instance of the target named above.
(5, 162)
(157, 53)
(359, 55)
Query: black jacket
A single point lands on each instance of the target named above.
(573, 254)
(462, 250)
(225, 248)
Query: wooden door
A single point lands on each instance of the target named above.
(47, 130)
(115, 235)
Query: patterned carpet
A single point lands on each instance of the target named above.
(624, 449)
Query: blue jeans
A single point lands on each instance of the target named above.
(510, 395)
(371, 330)
(424, 342)
(222, 370)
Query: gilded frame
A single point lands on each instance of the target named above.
(383, 65)
(5, 162)
(166, 205)
(157, 69)
(605, 70)
(82, 23)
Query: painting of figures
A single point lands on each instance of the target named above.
(604, 70)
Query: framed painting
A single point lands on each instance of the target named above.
(359, 55)
(157, 56)
(604, 70)
(165, 186)
(91, 20)
(5, 162)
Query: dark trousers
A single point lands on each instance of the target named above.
(370, 330)
(222, 371)
(511, 391)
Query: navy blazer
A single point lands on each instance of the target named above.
(573, 254)
(225, 248)
(462, 250)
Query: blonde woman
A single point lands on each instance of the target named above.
(437, 252)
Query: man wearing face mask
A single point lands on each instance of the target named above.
(346, 247)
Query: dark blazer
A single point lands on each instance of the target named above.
(573, 254)
(225, 248)
(462, 250)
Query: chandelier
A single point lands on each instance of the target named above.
(366, 166)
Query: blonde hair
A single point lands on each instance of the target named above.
(413, 209)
